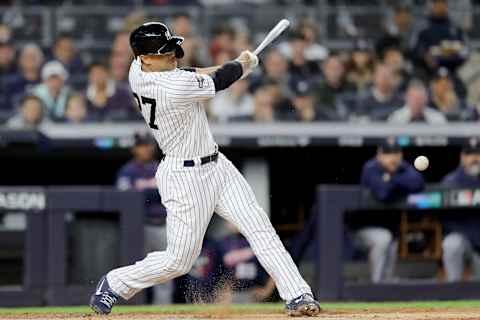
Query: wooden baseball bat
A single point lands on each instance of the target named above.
(272, 35)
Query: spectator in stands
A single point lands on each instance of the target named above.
(416, 108)
(235, 102)
(242, 36)
(192, 44)
(441, 43)
(7, 69)
(329, 90)
(31, 115)
(120, 58)
(382, 98)
(275, 67)
(121, 45)
(76, 109)
(443, 96)
(462, 242)
(28, 75)
(360, 67)
(223, 41)
(388, 178)
(134, 18)
(282, 105)
(222, 57)
(299, 67)
(53, 91)
(269, 104)
(64, 51)
(264, 105)
(106, 99)
(182, 24)
(462, 13)
(314, 50)
(119, 66)
(304, 104)
(7, 52)
(394, 58)
(399, 28)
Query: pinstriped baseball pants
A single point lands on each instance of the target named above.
(191, 195)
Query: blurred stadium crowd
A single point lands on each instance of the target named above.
(414, 70)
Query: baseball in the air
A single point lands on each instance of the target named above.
(421, 163)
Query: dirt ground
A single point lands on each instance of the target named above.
(383, 314)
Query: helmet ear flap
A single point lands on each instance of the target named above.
(179, 52)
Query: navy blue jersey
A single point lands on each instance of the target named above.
(459, 179)
(200, 284)
(137, 175)
(467, 225)
(141, 176)
(239, 264)
(388, 187)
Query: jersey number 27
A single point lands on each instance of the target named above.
(153, 105)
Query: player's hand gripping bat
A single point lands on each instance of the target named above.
(272, 35)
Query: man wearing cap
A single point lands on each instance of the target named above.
(53, 91)
(388, 177)
(304, 103)
(139, 174)
(462, 242)
(299, 67)
(441, 43)
(443, 96)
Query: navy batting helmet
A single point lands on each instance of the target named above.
(155, 38)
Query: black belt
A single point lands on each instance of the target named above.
(203, 160)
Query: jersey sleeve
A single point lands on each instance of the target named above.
(124, 179)
(191, 87)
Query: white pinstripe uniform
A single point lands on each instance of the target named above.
(172, 106)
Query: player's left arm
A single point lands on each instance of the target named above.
(226, 74)
(194, 86)
(208, 70)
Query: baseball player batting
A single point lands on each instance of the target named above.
(194, 178)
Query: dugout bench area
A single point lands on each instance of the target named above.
(340, 206)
